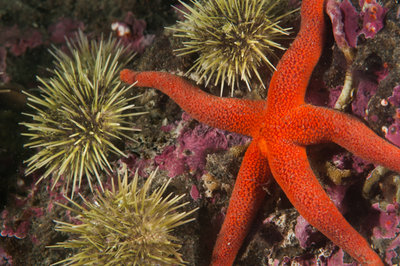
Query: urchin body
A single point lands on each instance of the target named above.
(233, 39)
(80, 113)
(127, 225)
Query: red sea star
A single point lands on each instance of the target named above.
(281, 128)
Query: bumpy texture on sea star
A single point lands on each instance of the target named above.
(281, 128)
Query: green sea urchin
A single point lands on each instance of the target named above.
(82, 109)
(127, 226)
(232, 37)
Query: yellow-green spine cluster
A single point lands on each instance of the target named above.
(80, 112)
(126, 226)
(233, 38)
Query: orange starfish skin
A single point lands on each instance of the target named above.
(281, 128)
(240, 116)
(247, 196)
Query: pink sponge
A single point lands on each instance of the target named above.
(345, 20)
(372, 15)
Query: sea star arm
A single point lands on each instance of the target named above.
(246, 198)
(293, 173)
(289, 82)
(317, 124)
(235, 115)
